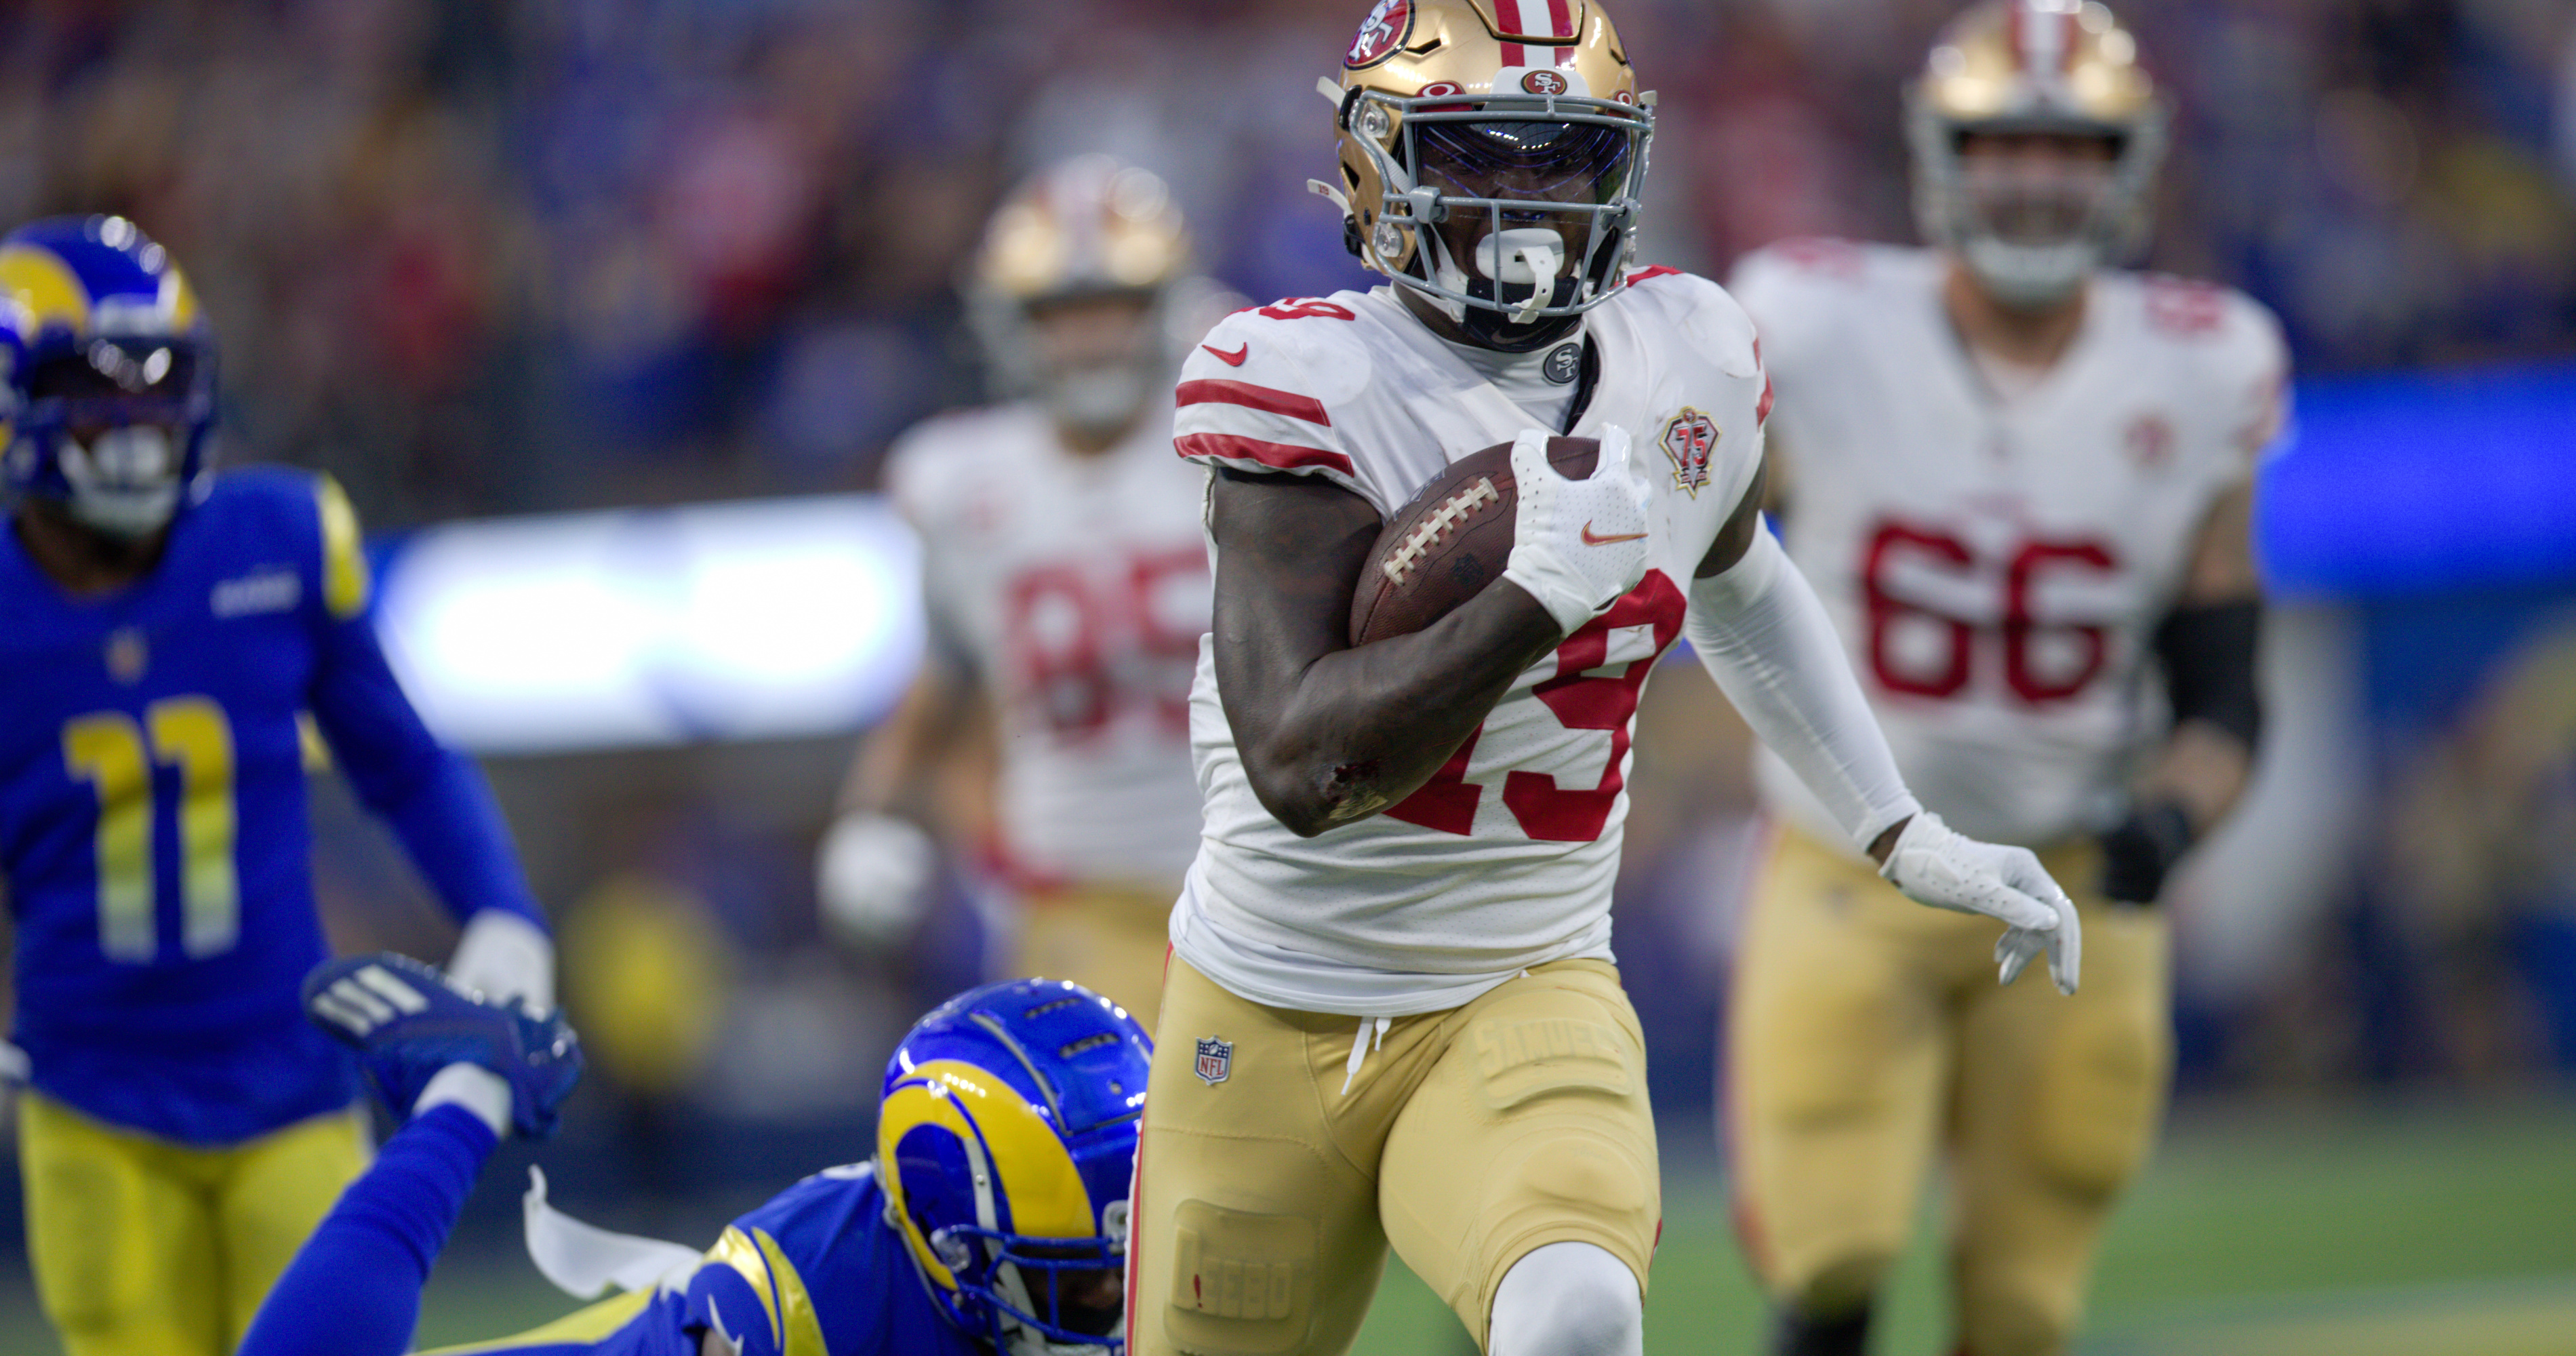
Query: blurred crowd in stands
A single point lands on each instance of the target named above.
(480, 256)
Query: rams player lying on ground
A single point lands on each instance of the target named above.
(992, 1222)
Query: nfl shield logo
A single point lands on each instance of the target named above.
(1689, 437)
(1216, 1060)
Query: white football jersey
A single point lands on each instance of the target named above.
(1504, 859)
(1076, 588)
(1998, 567)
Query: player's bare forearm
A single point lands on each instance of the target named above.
(1329, 733)
(2203, 769)
(895, 765)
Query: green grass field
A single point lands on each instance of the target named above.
(2359, 1232)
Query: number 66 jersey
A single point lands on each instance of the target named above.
(1997, 566)
(1504, 859)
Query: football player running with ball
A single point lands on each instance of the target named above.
(1391, 1015)
(2018, 480)
(1066, 581)
(163, 630)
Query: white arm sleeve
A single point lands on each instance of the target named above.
(1762, 633)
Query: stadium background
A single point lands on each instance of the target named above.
(484, 259)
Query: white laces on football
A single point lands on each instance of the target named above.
(1369, 1026)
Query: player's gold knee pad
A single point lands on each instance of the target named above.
(2097, 1109)
(1549, 1181)
(1242, 1284)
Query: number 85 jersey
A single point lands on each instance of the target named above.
(1505, 858)
(1997, 567)
(1076, 588)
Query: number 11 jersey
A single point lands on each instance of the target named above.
(1997, 563)
(1505, 858)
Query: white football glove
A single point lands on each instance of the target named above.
(13, 1064)
(506, 958)
(1947, 870)
(873, 875)
(1577, 545)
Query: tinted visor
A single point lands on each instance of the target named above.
(1524, 159)
(118, 381)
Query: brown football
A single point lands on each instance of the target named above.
(1452, 540)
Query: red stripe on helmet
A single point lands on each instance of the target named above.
(1514, 54)
(1560, 19)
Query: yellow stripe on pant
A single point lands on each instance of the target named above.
(1867, 1041)
(144, 1247)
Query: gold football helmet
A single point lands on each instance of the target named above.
(1492, 157)
(2050, 67)
(1084, 230)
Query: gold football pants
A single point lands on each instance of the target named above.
(1867, 1034)
(1108, 938)
(143, 1247)
(1267, 1194)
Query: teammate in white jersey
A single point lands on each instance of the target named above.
(2020, 482)
(1392, 1014)
(1066, 583)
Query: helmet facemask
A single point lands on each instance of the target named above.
(1511, 216)
(124, 422)
(1043, 1296)
(1094, 360)
(1100, 248)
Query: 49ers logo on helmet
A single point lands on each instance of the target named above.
(1543, 82)
(1380, 33)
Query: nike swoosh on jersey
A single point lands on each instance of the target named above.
(1234, 359)
(1591, 540)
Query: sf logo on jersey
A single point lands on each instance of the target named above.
(1689, 438)
(1379, 33)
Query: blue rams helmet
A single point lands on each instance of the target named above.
(111, 372)
(1006, 1141)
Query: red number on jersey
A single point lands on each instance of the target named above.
(1306, 308)
(1168, 627)
(2181, 306)
(2024, 637)
(1052, 627)
(1581, 700)
(1920, 651)
(1889, 616)
(1083, 648)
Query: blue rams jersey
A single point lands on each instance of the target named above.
(816, 1272)
(153, 836)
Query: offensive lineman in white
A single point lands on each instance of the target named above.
(1391, 1013)
(1065, 575)
(2015, 478)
